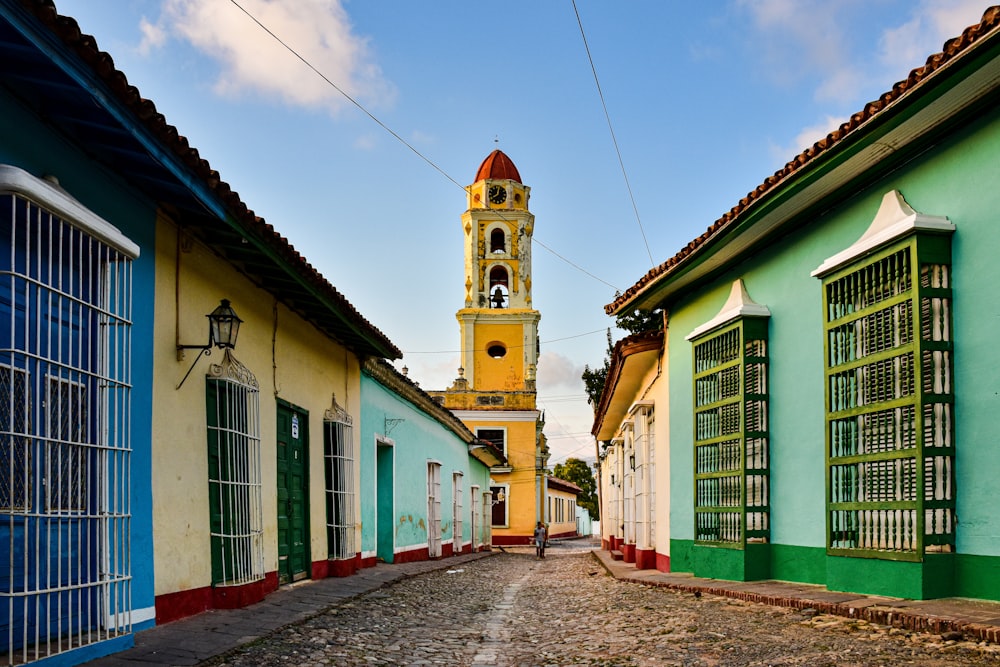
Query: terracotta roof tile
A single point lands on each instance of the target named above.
(952, 48)
(144, 110)
(497, 166)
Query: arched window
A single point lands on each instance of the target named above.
(499, 290)
(498, 241)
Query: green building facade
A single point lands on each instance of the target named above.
(833, 375)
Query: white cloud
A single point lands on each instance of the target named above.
(254, 62)
(796, 46)
(907, 46)
(153, 36)
(558, 371)
(801, 40)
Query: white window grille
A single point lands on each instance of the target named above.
(474, 517)
(234, 476)
(645, 477)
(456, 511)
(65, 448)
(487, 513)
(628, 487)
(650, 477)
(433, 509)
(338, 452)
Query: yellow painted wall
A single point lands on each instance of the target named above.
(290, 360)
(521, 479)
(504, 374)
(568, 525)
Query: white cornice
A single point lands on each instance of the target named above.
(739, 304)
(55, 199)
(895, 219)
(497, 416)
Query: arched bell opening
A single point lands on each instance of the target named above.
(498, 241)
(499, 287)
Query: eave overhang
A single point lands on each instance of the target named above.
(563, 485)
(59, 73)
(631, 360)
(952, 88)
(383, 372)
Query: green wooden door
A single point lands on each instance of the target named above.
(293, 506)
(385, 484)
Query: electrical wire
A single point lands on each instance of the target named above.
(511, 347)
(400, 139)
(611, 129)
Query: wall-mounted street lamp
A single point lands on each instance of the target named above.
(631, 461)
(223, 327)
(500, 497)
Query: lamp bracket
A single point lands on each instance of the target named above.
(390, 424)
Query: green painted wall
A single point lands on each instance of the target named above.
(803, 564)
(957, 178)
(417, 439)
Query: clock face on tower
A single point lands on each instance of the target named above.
(498, 194)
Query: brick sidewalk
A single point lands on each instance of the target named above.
(973, 618)
(192, 640)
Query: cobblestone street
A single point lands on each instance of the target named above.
(512, 609)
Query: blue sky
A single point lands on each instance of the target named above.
(706, 99)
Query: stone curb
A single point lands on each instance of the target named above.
(874, 613)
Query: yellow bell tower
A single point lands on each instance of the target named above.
(499, 328)
(494, 394)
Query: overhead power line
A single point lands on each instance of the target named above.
(509, 347)
(396, 136)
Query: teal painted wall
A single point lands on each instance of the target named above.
(957, 178)
(417, 440)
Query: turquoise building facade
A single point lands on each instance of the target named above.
(425, 478)
(831, 362)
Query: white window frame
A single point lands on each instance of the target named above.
(495, 428)
(433, 509)
(456, 511)
(339, 471)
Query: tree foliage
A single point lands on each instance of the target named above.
(594, 378)
(578, 472)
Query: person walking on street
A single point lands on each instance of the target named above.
(540, 534)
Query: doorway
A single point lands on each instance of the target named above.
(384, 501)
(293, 493)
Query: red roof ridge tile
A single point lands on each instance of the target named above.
(952, 48)
(85, 46)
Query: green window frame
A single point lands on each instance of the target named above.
(890, 440)
(731, 444)
(234, 474)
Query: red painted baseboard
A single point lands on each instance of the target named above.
(645, 559)
(511, 540)
(411, 555)
(174, 606)
(662, 562)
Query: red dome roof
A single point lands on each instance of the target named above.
(497, 166)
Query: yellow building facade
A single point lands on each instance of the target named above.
(494, 394)
(242, 438)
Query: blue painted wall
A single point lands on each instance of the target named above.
(33, 146)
